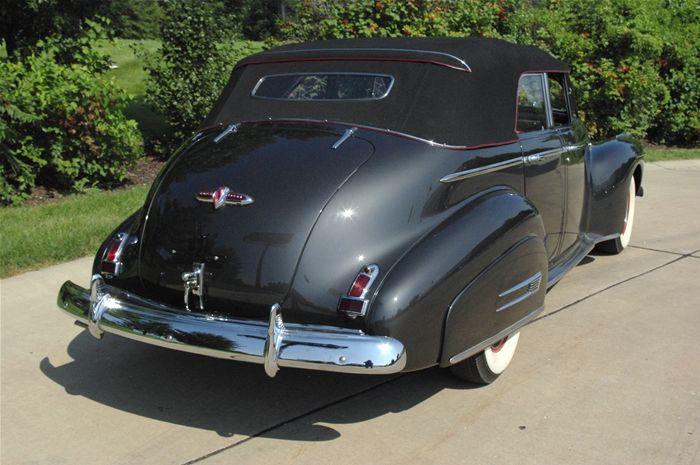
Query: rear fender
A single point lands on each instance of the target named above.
(412, 302)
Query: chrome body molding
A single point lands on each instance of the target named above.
(521, 291)
(346, 135)
(501, 165)
(493, 339)
(273, 343)
(230, 129)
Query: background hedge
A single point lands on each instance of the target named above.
(635, 67)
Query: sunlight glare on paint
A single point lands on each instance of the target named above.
(347, 213)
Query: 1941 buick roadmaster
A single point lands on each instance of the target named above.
(367, 206)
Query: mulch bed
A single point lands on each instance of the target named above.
(144, 172)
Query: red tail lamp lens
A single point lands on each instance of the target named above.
(112, 261)
(359, 286)
(351, 306)
(354, 303)
(113, 250)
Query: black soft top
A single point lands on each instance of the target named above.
(454, 91)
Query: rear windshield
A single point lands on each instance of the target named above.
(324, 86)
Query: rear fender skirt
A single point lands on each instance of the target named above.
(413, 300)
(508, 293)
(609, 168)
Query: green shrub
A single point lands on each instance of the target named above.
(189, 70)
(617, 50)
(336, 19)
(62, 127)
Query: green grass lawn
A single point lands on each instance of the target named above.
(130, 75)
(665, 153)
(32, 237)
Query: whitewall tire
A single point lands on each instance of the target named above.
(486, 366)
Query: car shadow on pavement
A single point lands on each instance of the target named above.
(232, 398)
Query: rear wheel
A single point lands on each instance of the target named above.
(617, 245)
(486, 366)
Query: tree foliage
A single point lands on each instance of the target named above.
(23, 23)
(192, 65)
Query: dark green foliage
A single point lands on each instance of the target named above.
(333, 19)
(635, 65)
(23, 23)
(60, 127)
(132, 19)
(192, 66)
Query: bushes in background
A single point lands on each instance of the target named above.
(60, 126)
(635, 65)
(336, 19)
(191, 67)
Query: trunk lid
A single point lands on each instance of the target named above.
(250, 252)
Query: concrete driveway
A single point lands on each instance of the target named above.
(609, 375)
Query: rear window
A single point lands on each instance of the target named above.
(324, 86)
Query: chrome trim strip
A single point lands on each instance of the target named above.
(574, 147)
(531, 286)
(487, 342)
(388, 89)
(501, 165)
(230, 129)
(363, 49)
(346, 135)
(545, 156)
(432, 143)
(271, 343)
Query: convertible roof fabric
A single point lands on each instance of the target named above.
(455, 91)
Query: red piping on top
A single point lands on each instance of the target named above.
(518, 88)
(372, 128)
(407, 60)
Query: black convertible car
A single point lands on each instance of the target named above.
(367, 206)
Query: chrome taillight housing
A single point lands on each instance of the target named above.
(355, 302)
(112, 263)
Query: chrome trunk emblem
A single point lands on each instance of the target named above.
(223, 196)
(194, 282)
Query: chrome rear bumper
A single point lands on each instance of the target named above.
(274, 344)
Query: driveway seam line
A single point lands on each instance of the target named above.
(611, 286)
(651, 249)
(293, 419)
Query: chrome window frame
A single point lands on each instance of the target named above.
(329, 73)
(550, 113)
(547, 111)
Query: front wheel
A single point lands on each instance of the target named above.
(617, 245)
(486, 366)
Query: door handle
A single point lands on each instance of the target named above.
(543, 157)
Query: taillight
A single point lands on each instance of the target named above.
(112, 263)
(355, 303)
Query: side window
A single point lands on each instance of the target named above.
(558, 100)
(532, 114)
